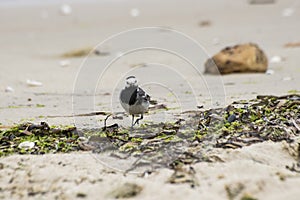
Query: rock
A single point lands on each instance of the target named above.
(242, 58)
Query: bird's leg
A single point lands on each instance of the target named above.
(132, 122)
(137, 121)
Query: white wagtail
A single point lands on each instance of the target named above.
(134, 99)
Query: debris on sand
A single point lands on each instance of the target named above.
(185, 141)
(33, 83)
(64, 63)
(242, 58)
(270, 72)
(205, 23)
(26, 145)
(292, 45)
(158, 107)
(184, 174)
(170, 144)
(253, 2)
(234, 190)
(127, 190)
(261, 119)
(77, 52)
(9, 89)
(81, 52)
(32, 138)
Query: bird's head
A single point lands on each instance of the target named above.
(131, 81)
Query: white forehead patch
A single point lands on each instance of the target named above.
(131, 81)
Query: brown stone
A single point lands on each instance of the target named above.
(242, 58)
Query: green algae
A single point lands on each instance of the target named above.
(45, 138)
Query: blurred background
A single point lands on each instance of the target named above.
(44, 43)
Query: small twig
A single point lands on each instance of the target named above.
(293, 168)
(158, 106)
(106, 120)
(115, 126)
(26, 132)
(295, 124)
(137, 163)
(80, 115)
(228, 144)
(5, 127)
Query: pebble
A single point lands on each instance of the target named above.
(65, 9)
(287, 78)
(83, 139)
(9, 89)
(64, 63)
(276, 59)
(134, 12)
(26, 145)
(33, 83)
(231, 118)
(270, 72)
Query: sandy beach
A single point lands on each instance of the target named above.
(40, 82)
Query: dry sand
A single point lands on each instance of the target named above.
(258, 171)
(34, 35)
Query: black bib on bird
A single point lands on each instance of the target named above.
(129, 95)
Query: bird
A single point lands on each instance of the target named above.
(134, 99)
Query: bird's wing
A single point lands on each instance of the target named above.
(142, 94)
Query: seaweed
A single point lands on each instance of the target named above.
(186, 141)
(46, 139)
